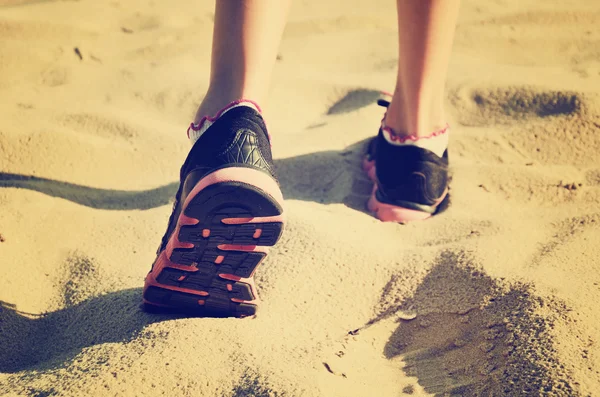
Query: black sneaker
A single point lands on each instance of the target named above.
(228, 208)
(410, 183)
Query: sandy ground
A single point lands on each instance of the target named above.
(497, 296)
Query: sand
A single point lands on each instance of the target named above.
(496, 296)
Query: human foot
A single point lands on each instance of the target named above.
(227, 210)
(410, 177)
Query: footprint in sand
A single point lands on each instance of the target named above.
(80, 279)
(561, 128)
(168, 100)
(253, 384)
(98, 125)
(463, 333)
(55, 76)
(566, 231)
(509, 105)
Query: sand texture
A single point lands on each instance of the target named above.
(498, 296)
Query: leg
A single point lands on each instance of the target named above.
(426, 30)
(228, 208)
(246, 37)
(408, 161)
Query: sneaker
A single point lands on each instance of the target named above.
(227, 211)
(410, 183)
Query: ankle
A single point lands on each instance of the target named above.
(421, 126)
(415, 118)
(216, 100)
(202, 123)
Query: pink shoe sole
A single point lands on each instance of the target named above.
(226, 223)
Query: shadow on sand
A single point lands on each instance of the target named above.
(324, 177)
(45, 341)
(105, 199)
(476, 337)
(313, 177)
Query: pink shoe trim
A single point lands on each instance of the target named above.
(258, 219)
(401, 139)
(252, 302)
(239, 174)
(250, 176)
(164, 262)
(369, 168)
(219, 113)
(232, 277)
(249, 281)
(232, 174)
(393, 213)
(395, 137)
(243, 248)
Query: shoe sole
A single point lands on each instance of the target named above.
(389, 212)
(227, 222)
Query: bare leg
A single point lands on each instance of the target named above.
(426, 31)
(246, 37)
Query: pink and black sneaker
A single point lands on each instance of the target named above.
(410, 182)
(227, 211)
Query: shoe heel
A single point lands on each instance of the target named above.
(393, 213)
(228, 221)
